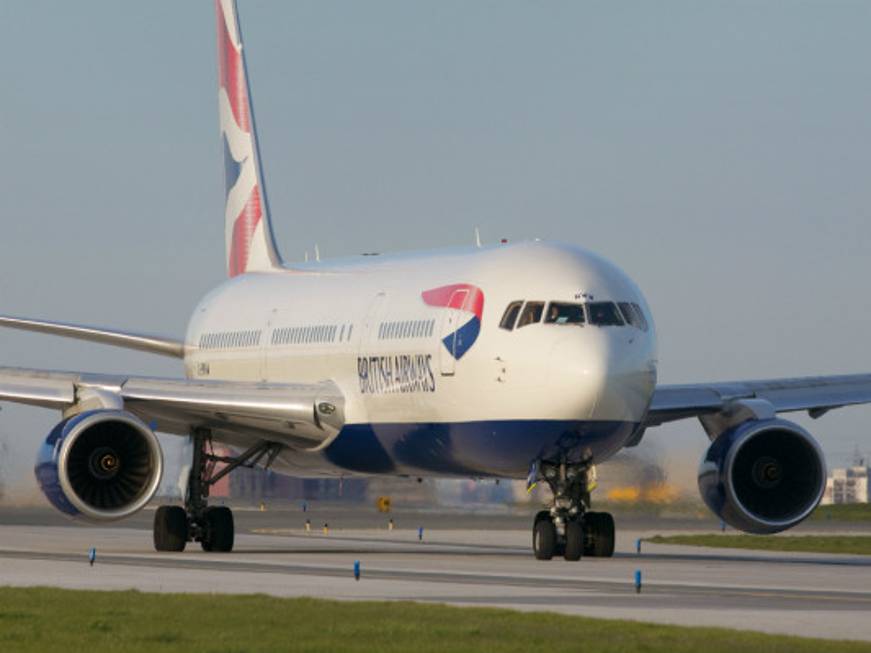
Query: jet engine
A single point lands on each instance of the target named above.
(100, 465)
(763, 476)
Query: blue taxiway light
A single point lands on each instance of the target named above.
(356, 570)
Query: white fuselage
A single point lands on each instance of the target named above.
(365, 325)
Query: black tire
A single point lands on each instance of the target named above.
(599, 536)
(544, 539)
(170, 528)
(574, 548)
(219, 531)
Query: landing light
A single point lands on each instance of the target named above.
(326, 408)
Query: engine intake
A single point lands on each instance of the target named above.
(763, 476)
(100, 465)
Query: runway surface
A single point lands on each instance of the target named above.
(805, 594)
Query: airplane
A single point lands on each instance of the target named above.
(531, 360)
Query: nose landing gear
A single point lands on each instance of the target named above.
(569, 528)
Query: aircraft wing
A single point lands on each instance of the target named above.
(141, 342)
(303, 416)
(816, 394)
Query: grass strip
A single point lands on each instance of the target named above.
(49, 619)
(849, 512)
(860, 544)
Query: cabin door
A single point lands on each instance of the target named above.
(369, 337)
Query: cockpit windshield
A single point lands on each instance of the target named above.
(562, 313)
(531, 314)
(601, 314)
(604, 314)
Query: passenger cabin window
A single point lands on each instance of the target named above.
(604, 314)
(531, 314)
(509, 317)
(406, 329)
(562, 313)
(230, 339)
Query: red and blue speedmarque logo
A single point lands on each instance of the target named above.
(464, 297)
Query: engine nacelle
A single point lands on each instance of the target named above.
(763, 476)
(100, 465)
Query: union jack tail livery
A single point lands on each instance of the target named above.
(248, 232)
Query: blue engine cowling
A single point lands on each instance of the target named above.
(763, 476)
(100, 465)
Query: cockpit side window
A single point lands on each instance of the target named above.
(604, 314)
(642, 319)
(634, 315)
(531, 314)
(563, 313)
(629, 314)
(509, 317)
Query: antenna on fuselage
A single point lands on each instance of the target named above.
(477, 237)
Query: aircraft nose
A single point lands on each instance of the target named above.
(603, 374)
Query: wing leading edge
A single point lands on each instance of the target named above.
(138, 341)
(815, 394)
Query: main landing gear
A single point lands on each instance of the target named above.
(568, 528)
(211, 526)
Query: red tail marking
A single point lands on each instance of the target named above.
(243, 232)
(231, 73)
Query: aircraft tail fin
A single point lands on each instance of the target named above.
(250, 245)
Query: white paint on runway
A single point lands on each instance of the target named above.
(803, 594)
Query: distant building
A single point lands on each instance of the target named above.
(847, 485)
(221, 489)
(256, 484)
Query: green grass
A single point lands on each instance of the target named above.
(807, 543)
(851, 512)
(47, 619)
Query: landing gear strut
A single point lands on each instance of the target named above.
(211, 526)
(569, 528)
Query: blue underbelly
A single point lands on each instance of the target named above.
(487, 448)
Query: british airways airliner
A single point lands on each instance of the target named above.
(532, 361)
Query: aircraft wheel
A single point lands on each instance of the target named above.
(599, 534)
(170, 528)
(219, 531)
(544, 538)
(574, 547)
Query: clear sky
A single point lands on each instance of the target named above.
(718, 152)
